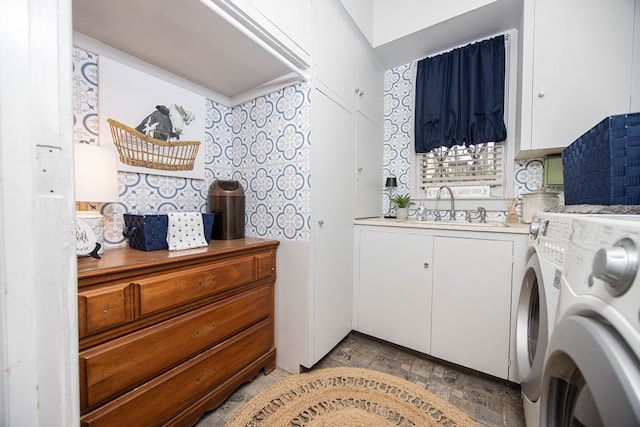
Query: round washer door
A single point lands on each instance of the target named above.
(532, 330)
(591, 377)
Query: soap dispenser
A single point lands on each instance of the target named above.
(421, 212)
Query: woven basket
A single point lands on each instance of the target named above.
(602, 167)
(137, 149)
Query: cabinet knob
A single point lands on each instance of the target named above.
(540, 94)
(357, 90)
(321, 222)
(426, 265)
(360, 169)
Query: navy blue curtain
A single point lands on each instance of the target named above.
(460, 97)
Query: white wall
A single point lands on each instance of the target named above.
(394, 19)
(362, 14)
(38, 298)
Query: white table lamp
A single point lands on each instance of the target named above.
(96, 177)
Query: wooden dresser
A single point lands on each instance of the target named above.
(166, 336)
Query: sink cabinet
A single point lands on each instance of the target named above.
(446, 293)
(394, 286)
(470, 314)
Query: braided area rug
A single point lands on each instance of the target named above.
(347, 397)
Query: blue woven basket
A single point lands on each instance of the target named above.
(602, 167)
(148, 232)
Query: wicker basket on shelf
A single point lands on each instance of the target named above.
(137, 149)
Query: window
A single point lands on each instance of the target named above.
(479, 164)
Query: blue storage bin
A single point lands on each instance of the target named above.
(148, 232)
(602, 167)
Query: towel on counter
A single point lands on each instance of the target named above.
(185, 230)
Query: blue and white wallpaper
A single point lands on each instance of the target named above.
(398, 147)
(263, 143)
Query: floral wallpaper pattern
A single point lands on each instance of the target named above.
(264, 144)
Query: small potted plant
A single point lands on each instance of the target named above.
(402, 202)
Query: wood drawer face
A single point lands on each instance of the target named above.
(104, 308)
(266, 265)
(115, 367)
(156, 401)
(173, 289)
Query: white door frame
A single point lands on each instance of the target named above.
(38, 279)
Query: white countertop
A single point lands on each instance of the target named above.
(490, 226)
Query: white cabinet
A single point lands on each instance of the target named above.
(332, 226)
(335, 53)
(344, 64)
(370, 86)
(450, 294)
(368, 168)
(393, 286)
(345, 71)
(470, 318)
(576, 69)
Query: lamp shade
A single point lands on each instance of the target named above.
(96, 174)
(391, 182)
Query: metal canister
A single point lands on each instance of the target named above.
(226, 201)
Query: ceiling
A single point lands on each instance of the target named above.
(483, 22)
(183, 37)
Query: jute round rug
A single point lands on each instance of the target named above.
(347, 397)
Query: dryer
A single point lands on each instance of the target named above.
(549, 238)
(592, 368)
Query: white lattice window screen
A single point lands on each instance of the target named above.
(479, 164)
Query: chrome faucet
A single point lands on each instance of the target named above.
(452, 215)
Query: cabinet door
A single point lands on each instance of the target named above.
(370, 85)
(472, 303)
(332, 162)
(393, 287)
(581, 67)
(335, 52)
(369, 146)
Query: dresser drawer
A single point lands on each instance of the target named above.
(115, 367)
(169, 290)
(266, 265)
(104, 308)
(159, 399)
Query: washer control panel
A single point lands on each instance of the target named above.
(552, 233)
(602, 262)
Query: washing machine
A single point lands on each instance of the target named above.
(591, 375)
(548, 240)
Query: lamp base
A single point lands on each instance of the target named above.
(89, 233)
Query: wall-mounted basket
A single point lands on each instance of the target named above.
(137, 149)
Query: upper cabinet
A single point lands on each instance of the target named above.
(576, 66)
(344, 64)
(227, 46)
